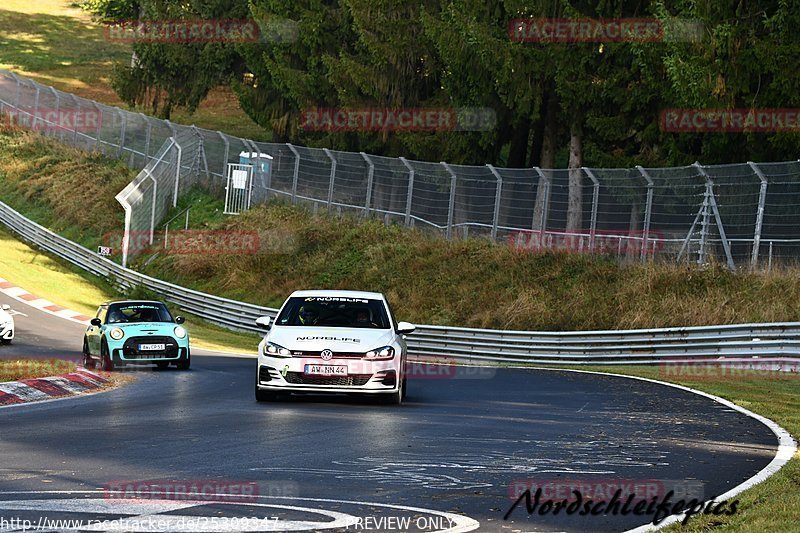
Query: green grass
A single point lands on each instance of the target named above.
(58, 44)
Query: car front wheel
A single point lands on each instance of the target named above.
(184, 364)
(105, 358)
(88, 362)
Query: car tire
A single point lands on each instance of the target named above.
(184, 364)
(5, 341)
(397, 397)
(88, 362)
(107, 364)
(405, 388)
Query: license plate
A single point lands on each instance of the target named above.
(326, 370)
(151, 347)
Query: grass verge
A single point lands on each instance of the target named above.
(16, 369)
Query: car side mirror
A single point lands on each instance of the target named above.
(96, 322)
(179, 320)
(405, 328)
(264, 322)
(5, 307)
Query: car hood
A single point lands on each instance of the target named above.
(336, 339)
(144, 327)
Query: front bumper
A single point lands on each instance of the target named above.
(127, 350)
(366, 377)
(6, 332)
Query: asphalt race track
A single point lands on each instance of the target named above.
(453, 454)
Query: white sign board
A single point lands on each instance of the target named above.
(239, 179)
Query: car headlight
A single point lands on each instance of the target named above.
(276, 350)
(387, 352)
(179, 332)
(116, 333)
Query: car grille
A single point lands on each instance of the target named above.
(337, 355)
(130, 350)
(355, 380)
(263, 374)
(390, 379)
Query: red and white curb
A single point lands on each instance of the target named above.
(37, 389)
(20, 294)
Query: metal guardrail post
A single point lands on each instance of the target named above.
(545, 202)
(648, 210)
(762, 197)
(497, 196)
(410, 193)
(595, 202)
(370, 181)
(452, 204)
(296, 176)
(332, 177)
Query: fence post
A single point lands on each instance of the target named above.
(370, 180)
(333, 176)
(226, 156)
(762, 197)
(452, 204)
(77, 110)
(410, 193)
(153, 208)
(546, 203)
(122, 128)
(595, 202)
(710, 201)
(35, 108)
(498, 194)
(99, 124)
(57, 131)
(147, 136)
(177, 171)
(171, 128)
(648, 210)
(19, 91)
(296, 176)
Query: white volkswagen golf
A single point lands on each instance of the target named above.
(333, 342)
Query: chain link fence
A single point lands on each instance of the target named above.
(743, 215)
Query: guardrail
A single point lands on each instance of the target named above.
(647, 346)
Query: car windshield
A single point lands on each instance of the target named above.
(334, 311)
(138, 312)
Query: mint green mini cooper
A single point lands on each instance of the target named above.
(138, 332)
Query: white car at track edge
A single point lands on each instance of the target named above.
(6, 325)
(333, 342)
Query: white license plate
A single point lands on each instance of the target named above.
(151, 347)
(326, 370)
